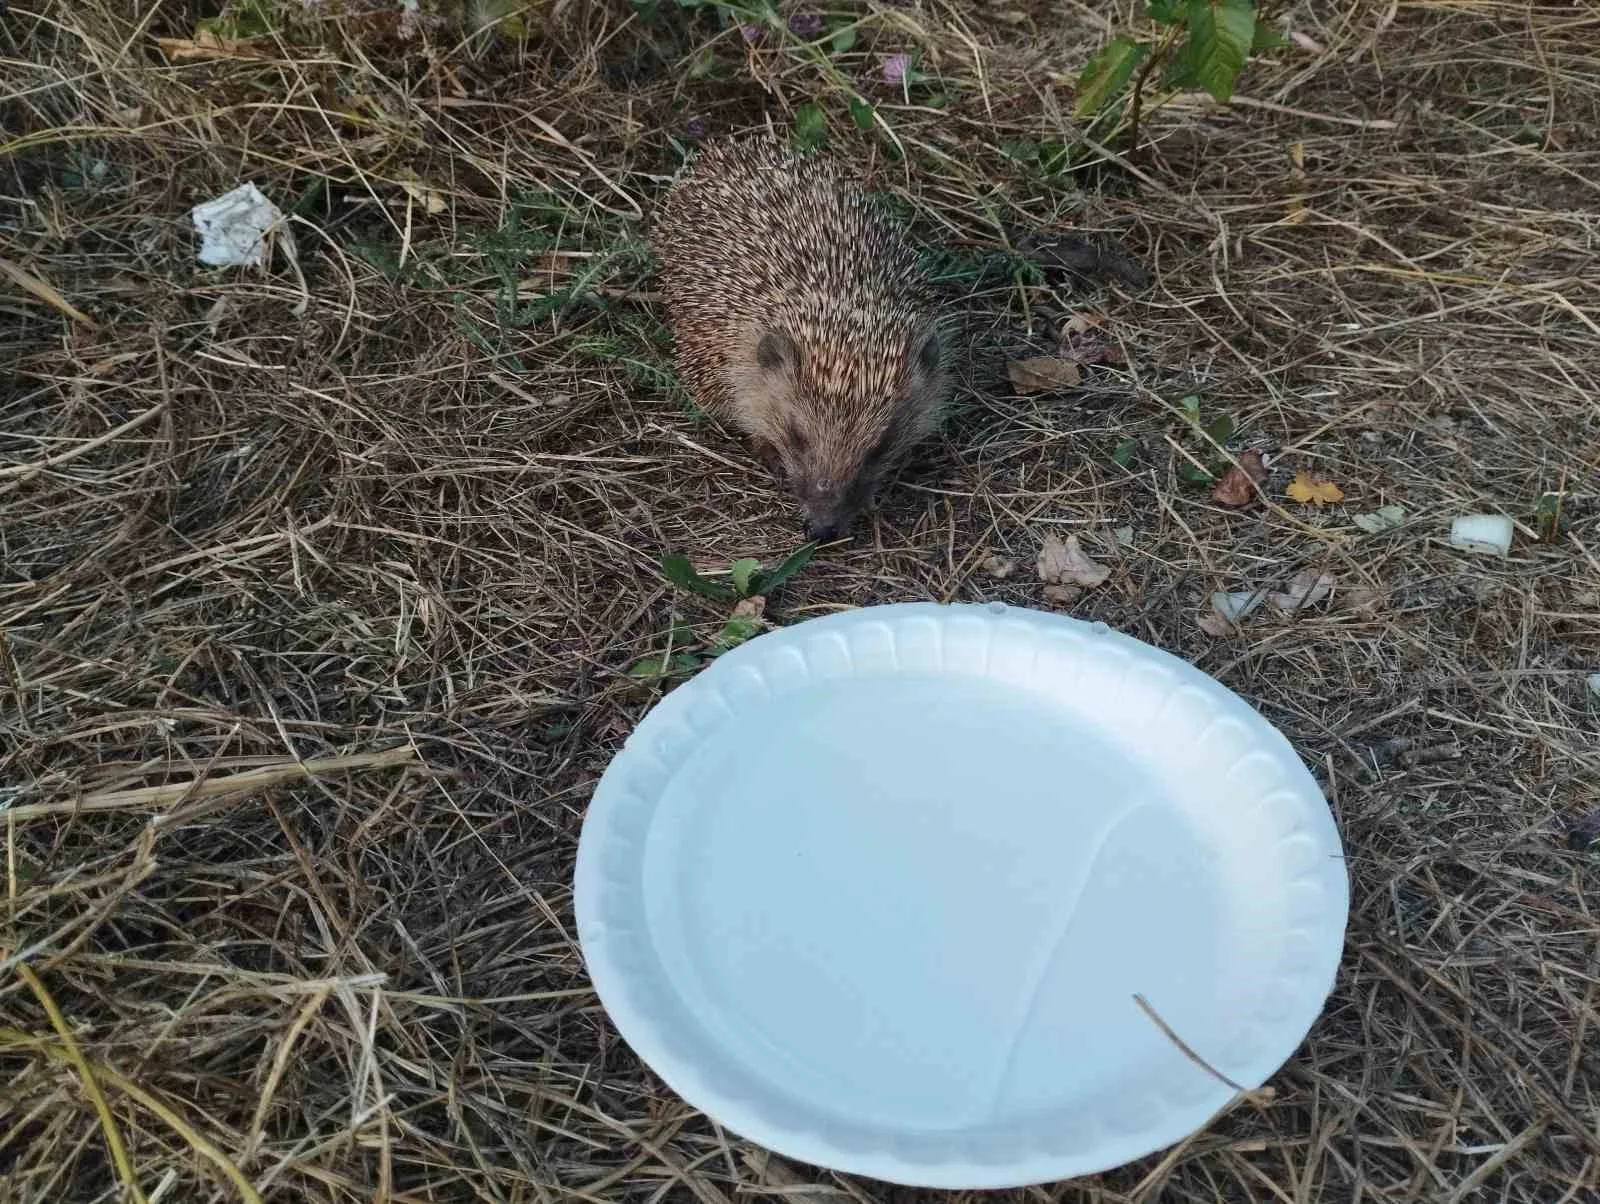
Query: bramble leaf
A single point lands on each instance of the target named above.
(1106, 74)
(768, 582)
(681, 573)
(743, 573)
(1220, 35)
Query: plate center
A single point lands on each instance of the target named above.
(884, 901)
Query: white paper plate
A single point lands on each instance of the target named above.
(877, 892)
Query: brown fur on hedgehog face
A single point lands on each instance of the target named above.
(835, 426)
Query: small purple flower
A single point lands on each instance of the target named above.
(750, 33)
(895, 68)
(696, 127)
(805, 25)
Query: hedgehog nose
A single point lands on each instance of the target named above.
(824, 530)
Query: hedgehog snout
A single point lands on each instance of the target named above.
(826, 517)
(824, 528)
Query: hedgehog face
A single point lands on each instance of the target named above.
(835, 426)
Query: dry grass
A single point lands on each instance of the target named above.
(316, 598)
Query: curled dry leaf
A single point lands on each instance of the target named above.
(1307, 589)
(1000, 566)
(1361, 600)
(1228, 610)
(750, 608)
(1082, 341)
(1068, 564)
(1322, 493)
(1043, 374)
(1238, 484)
(1062, 595)
(1237, 605)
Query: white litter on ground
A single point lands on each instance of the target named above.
(233, 227)
(1482, 533)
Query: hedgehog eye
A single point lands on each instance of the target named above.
(796, 439)
(775, 351)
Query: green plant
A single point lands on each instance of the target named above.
(746, 578)
(1549, 519)
(1125, 453)
(748, 584)
(1207, 466)
(810, 127)
(1197, 44)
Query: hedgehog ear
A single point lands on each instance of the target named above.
(929, 354)
(776, 352)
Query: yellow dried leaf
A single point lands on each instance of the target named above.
(207, 45)
(1322, 493)
(427, 197)
(1297, 202)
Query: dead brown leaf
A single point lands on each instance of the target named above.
(1043, 374)
(1309, 587)
(1238, 484)
(1068, 564)
(1062, 595)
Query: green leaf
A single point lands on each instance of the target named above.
(1107, 74)
(1054, 157)
(771, 581)
(1220, 35)
(652, 668)
(703, 64)
(743, 573)
(1267, 37)
(810, 127)
(1220, 429)
(1549, 519)
(844, 40)
(1125, 452)
(681, 573)
(1164, 12)
(861, 113)
(735, 632)
(1193, 474)
(1190, 406)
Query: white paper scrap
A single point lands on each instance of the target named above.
(233, 227)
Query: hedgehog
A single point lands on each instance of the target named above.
(801, 317)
